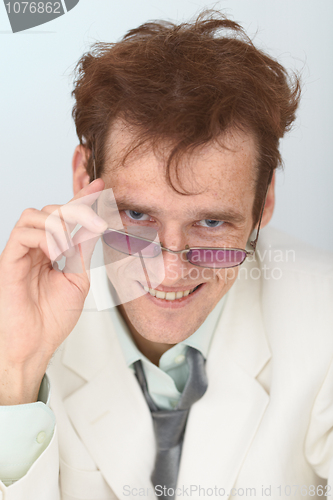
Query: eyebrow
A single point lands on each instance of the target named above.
(228, 214)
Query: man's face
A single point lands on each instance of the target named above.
(225, 179)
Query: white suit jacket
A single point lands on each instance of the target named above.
(264, 426)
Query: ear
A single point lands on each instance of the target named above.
(269, 204)
(80, 175)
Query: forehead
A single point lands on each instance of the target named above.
(223, 170)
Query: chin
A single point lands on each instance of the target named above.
(164, 328)
(165, 337)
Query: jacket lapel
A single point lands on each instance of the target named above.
(109, 412)
(223, 423)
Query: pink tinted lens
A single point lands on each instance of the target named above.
(130, 244)
(216, 258)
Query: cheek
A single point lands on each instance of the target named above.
(227, 277)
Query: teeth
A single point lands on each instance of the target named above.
(168, 295)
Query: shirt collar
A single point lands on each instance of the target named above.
(200, 339)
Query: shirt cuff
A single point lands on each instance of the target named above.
(25, 432)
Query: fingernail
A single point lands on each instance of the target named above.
(93, 182)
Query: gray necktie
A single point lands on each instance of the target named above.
(169, 425)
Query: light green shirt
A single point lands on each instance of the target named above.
(166, 381)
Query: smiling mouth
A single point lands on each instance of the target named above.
(171, 296)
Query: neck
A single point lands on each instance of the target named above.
(152, 350)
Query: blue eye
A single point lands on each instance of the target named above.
(211, 223)
(132, 214)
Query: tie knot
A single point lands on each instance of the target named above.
(196, 384)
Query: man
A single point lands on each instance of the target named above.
(217, 382)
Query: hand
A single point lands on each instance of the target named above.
(40, 305)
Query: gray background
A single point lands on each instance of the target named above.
(38, 137)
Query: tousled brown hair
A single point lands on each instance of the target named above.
(188, 84)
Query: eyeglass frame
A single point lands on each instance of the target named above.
(187, 248)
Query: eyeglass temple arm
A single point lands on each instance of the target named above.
(95, 204)
(94, 162)
(254, 242)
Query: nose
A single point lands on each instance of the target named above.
(176, 266)
(172, 237)
(178, 271)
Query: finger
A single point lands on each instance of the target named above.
(23, 239)
(88, 195)
(34, 218)
(95, 187)
(83, 215)
(78, 213)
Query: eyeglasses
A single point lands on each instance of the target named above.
(210, 257)
(138, 246)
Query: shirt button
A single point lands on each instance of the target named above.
(173, 404)
(179, 359)
(41, 437)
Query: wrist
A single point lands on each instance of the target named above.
(19, 385)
